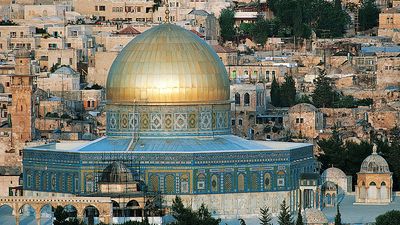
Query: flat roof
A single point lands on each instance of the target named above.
(222, 143)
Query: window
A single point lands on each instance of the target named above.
(281, 182)
(233, 122)
(96, 8)
(240, 122)
(241, 182)
(237, 99)
(246, 99)
(214, 183)
(273, 75)
(102, 8)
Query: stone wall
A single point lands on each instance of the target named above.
(228, 206)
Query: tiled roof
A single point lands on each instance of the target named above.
(129, 30)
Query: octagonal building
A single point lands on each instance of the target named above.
(168, 121)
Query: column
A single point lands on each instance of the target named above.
(38, 219)
(315, 199)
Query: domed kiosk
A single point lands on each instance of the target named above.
(374, 181)
(168, 121)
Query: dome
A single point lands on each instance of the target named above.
(302, 107)
(374, 164)
(329, 186)
(167, 65)
(333, 173)
(116, 172)
(314, 216)
(66, 70)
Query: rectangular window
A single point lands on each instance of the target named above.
(102, 8)
(297, 120)
(96, 8)
(240, 122)
(59, 61)
(301, 120)
(281, 182)
(233, 122)
(200, 185)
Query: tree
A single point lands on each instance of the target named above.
(186, 216)
(241, 221)
(338, 219)
(323, 95)
(226, 23)
(288, 92)
(275, 93)
(266, 216)
(61, 218)
(260, 31)
(389, 218)
(368, 15)
(284, 217)
(299, 220)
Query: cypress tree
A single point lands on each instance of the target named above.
(275, 93)
(284, 217)
(338, 219)
(265, 218)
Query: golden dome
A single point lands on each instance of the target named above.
(167, 65)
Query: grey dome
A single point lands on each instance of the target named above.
(329, 186)
(116, 173)
(333, 173)
(374, 164)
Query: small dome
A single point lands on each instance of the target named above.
(302, 107)
(329, 186)
(116, 173)
(374, 163)
(65, 70)
(314, 216)
(333, 173)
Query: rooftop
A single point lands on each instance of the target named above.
(223, 143)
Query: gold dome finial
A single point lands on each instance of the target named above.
(166, 11)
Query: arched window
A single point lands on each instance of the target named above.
(169, 184)
(241, 182)
(228, 183)
(246, 99)
(214, 183)
(383, 183)
(154, 183)
(372, 184)
(184, 184)
(267, 181)
(254, 182)
(237, 98)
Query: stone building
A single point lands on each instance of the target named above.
(249, 102)
(63, 79)
(23, 108)
(389, 23)
(388, 72)
(374, 181)
(305, 120)
(140, 11)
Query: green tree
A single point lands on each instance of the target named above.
(338, 219)
(204, 216)
(368, 15)
(186, 216)
(226, 23)
(323, 95)
(284, 217)
(246, 28)
(275, 93)
(266, 217)
(260, 31)
(241, 221)
(60, 216)
(299, 220)
(288, 92)
(389, 218)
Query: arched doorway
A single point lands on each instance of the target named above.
(117, 211)
(26, 214)
(91, 215)
(133, 209)
(372, 191)
(6, 215)
(46, 214)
